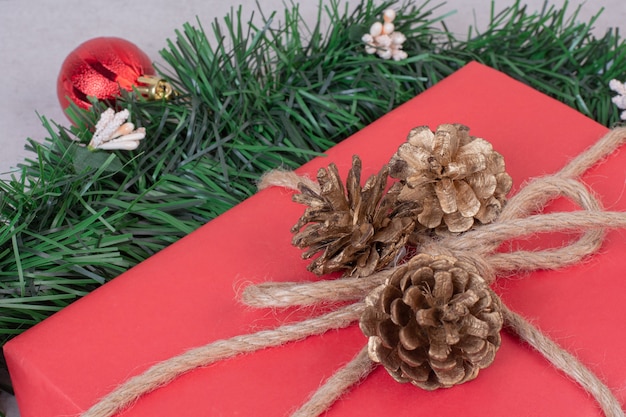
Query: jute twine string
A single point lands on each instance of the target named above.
(478, 247)
(164, 372)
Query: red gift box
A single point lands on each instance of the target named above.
(187, 295)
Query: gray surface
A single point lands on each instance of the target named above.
(37, 35)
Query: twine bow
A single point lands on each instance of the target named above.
(477, 247)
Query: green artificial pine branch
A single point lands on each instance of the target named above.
(265, 95)
(553, 53)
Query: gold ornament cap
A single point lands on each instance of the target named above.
(154, 87)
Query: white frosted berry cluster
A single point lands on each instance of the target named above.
(114, 132)
(383, 40)
(620, 99)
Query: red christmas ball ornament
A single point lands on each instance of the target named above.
(101, 67)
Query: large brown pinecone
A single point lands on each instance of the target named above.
(457, 177)
(358, 232)
(435, 323)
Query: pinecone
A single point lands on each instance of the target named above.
(358, 233)
(435, 323)
(457, 177)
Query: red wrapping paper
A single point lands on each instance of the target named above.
(187, 295)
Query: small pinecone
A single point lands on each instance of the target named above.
(457, 177)
(358, 233)
(435, 323)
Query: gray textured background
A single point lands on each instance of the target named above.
(37, 35)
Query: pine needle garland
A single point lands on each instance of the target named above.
(276, 94)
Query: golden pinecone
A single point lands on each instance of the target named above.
(457, 177)
(435, 323)
(359, 232)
